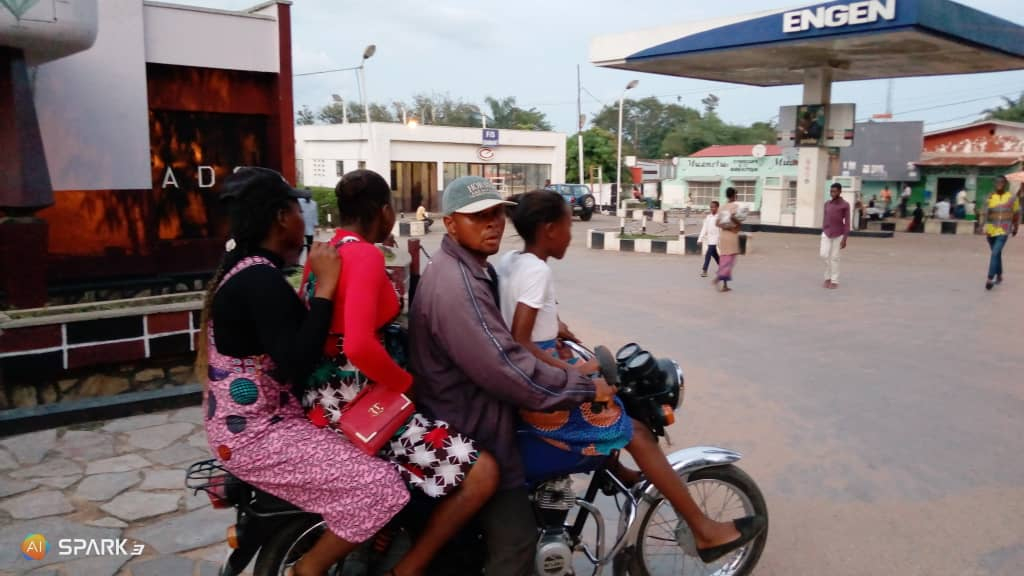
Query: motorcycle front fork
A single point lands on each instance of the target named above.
(598, 557)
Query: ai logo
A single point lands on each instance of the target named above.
(34, 547)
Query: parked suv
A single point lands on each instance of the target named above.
(579, 198)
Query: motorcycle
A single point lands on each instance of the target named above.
(650, 539)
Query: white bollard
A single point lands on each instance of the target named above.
(643, 225)
(622, 225)
(682, 226)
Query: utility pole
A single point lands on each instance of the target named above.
(891, 90)
(579, 115)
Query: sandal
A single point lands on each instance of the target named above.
(749, 527)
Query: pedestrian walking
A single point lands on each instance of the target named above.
(1002, 219)
(835, 230)
(728, 240)
(311, 218)
(708, 239)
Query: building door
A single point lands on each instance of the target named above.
(948, 189)
(413, 184)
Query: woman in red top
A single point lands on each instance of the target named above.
(428, 454)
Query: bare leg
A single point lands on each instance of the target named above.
(707, 532)
(327, 551)
(451, 514)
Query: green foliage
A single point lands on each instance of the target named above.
(599, 148)
(436, 109)
(505, 114)
(1011, 110)
(305, 117)
(326, 203)
(653, 129)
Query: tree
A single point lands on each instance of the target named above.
(441, 110)
(599, 147)
(1011, 110)
(710, 103)
(645, 123)
(685, 139)
(305, 117)
(332, 113)
(505, 114)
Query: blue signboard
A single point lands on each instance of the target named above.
(490, 137)
(844, 17)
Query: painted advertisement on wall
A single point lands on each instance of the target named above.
(191, 153)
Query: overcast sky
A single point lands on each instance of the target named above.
(530, 49)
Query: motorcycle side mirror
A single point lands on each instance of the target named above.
(609, 368)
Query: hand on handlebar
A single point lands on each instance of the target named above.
(591, 366)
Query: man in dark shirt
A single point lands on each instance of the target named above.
(470, 372)
(834, 231)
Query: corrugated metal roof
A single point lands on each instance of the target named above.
(719, 151)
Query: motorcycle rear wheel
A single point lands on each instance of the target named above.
(724, 493)
(296, 538)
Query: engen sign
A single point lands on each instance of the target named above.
(853, 14)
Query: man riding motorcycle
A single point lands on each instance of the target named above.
(470, 371)
(468, 368)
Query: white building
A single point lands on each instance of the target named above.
(419, 161)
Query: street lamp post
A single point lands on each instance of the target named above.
(344, 110)
(483, 117)
(368, 52)
(618, 155)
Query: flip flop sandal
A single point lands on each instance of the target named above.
(749, 527)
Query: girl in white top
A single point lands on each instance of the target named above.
(528, 303)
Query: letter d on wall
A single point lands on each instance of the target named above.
(207, 177)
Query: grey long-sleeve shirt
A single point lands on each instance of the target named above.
(468, 369)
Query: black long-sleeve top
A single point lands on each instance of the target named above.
(258, 312)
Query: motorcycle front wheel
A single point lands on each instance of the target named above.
(665, 546)
(285, 548)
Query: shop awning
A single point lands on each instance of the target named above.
(974, 160)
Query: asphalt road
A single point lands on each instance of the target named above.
(881, 420)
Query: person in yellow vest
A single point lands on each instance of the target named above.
(1002, 219)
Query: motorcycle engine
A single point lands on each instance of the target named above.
(553, 500)
(554, 555)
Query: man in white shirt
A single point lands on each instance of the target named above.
(942, 209)
(311, 217)
(423, 216)
(905, 201)
(709, 238)
(961, 205)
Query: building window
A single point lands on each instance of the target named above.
(790, 206)
(509, 178)
(319, 168)
(339, 168)
(703, 193)
(746, 190)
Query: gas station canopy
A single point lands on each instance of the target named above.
(858, 40)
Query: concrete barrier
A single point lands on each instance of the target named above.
(410, 229)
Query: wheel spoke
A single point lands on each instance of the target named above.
(659, 548)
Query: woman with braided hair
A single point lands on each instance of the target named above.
(258, 344)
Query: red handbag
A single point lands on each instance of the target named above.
(371, 419)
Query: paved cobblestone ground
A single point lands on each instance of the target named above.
(118, 479)
(882, 420)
